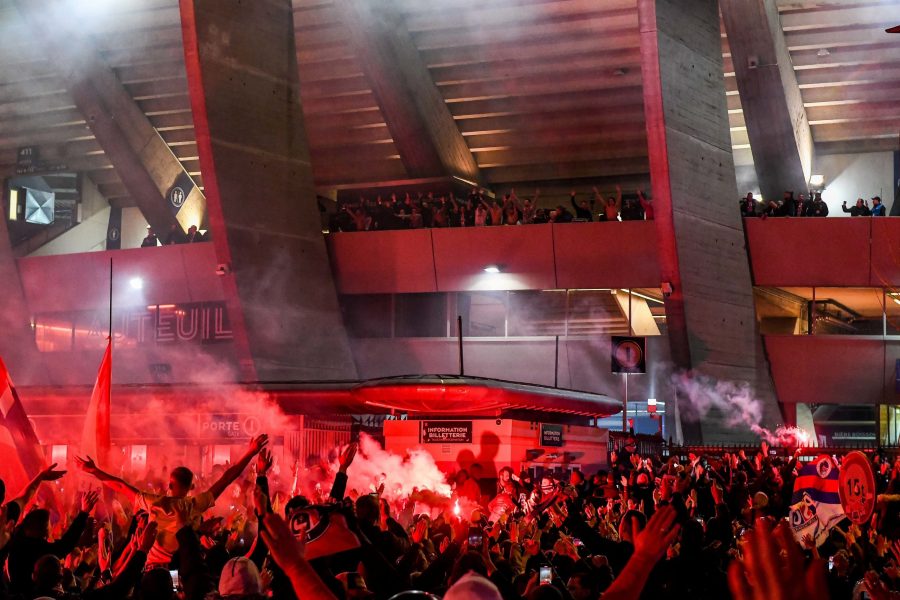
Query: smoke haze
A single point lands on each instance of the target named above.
(401, 474)
(737, 404)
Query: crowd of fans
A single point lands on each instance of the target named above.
(480, 209)
(174, 236)
(801, 206)
(709, 526)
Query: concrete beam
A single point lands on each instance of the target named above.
(241, 62)
(142, 159)
(780, 137)
(710, 312)
(424, 132)
(17, 347)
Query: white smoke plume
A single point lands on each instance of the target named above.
(737, 404)
(414, 471)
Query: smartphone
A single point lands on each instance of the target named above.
(476, 536)
(577, 543)
(176, 581)
(546, 577)
(830, 563)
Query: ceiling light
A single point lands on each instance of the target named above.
(492, 269)
(816, 180)
(136, 283)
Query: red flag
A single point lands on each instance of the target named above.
(21, 432)
(95, 435)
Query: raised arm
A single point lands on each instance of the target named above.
(642, 200)
(289, 553)
(339, 488)
(69, 539)
(649, 546)
(618, 197)
(235, 470)
(130, 575)
(120, 486)
(513, 197)
(48, 474)
(195, 574)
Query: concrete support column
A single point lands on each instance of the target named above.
(422, 127)
(17, 346)
(241, 64)
(710, 311)
(780, 138)
(141, 157)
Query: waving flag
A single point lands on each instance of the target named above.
(95, 435)
(21, 432)
(816, 504)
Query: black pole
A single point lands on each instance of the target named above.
(462, 369)
(110, 297)
(556, 367)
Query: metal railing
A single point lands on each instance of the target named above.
(654, 445)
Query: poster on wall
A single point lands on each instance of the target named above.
(551, 435)
(446, 432)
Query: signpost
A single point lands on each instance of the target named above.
(628, 355)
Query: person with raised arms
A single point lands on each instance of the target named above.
(162, 507)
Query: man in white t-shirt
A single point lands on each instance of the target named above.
(162, 508)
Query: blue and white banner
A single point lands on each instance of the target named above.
(816, 504)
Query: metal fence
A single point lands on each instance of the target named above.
(653, 445)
